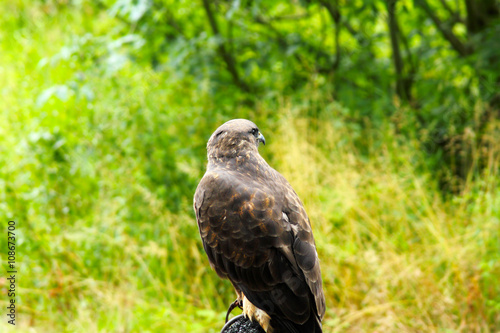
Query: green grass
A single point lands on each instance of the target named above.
(98, 168)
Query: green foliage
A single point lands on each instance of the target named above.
(107, 107)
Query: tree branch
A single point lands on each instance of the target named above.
(289, 17)
(221, 49)
(454, 14)
(320, 54)
(171, 21)
(457, 45)
(402, 84)
(480, 13)
(334, 12)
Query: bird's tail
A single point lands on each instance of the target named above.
(312, 325)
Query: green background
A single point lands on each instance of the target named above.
(383, 115)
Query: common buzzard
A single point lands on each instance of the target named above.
(256, 233)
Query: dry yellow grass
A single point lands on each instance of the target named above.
(395, 256)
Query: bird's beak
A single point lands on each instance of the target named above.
(261, 138)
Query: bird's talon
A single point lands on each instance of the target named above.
(236, 303)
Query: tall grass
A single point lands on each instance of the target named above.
(98, 169)
(395, 255)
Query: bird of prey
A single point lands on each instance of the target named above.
(256, 233)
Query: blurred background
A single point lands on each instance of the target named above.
(384, 115)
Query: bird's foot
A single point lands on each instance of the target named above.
(236, 303)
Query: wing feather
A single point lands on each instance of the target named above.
(263, 243)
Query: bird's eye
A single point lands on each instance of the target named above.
(254, 131)
(216, 135)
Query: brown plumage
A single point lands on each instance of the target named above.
(256, 233)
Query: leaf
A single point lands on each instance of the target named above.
(62, 92)
(134, 9)
(235, 6)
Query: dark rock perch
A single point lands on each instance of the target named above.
(240, 324)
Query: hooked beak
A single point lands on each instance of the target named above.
(261, 138)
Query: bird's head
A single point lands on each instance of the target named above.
(237, 137)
